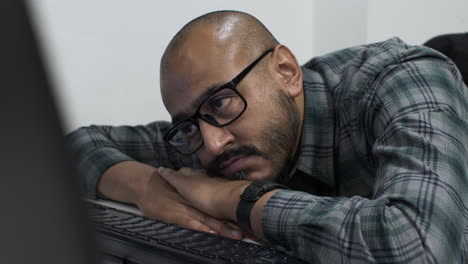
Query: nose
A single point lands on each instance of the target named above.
(215, 139)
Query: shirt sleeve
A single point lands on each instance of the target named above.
(418, 211)
(97, 148)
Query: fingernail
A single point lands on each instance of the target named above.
(236, 234)
(212, 232)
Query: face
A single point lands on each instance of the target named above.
(261, 141)
(271, 148)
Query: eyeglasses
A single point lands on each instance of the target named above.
(221, 108)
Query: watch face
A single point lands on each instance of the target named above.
(250, 196)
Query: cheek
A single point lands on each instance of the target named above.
(250, 126)
(203, 157)
(262, 101)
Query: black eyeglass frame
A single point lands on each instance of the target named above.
(229, 85)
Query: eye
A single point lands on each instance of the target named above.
(188, 130)
(221, 106)
(219, 103)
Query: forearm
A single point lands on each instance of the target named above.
(98, 148)
(215, 196)
(394, 227)
(340, 230)
(125, 181)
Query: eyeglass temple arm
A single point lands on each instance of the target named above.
(250, 67)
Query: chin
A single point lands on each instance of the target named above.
(256, 169)
(265, 175)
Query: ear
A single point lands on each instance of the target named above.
(288, 71)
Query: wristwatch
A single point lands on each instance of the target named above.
(251, 194)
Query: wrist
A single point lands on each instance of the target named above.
(145, 186)
(256, 195)
(237, 189)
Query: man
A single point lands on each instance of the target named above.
(370, 143)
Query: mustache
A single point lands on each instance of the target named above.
(243, 151)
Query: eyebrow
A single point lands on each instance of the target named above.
(184, 115)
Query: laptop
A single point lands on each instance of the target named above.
(43, 218)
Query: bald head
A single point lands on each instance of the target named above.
(230, 31)
(210, 70)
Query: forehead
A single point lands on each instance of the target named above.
(194, 71)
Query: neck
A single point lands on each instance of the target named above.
(300, 105)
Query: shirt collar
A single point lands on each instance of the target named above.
(316, 152)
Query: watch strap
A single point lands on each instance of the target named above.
(252, 194)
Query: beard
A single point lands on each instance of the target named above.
(276, 143)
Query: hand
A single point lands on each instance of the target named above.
(214, 196)
(161, 201)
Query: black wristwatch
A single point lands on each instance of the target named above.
(251, 194)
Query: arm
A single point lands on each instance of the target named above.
(418, 211)
(126, 181)
(97, 148)
(120, 163)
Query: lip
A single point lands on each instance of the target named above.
(234, 165)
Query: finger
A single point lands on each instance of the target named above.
(215, 226)
(186, 171)
(187, 221)
(232, 225)
(171, 176)
(221, 228)
(189, 170)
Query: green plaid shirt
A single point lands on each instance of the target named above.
(383, 163)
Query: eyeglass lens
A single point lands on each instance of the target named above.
(219, 109)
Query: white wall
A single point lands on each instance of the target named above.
(339, 24)
(415, 21)
(104, 54)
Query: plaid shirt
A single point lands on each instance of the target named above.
(382, 171)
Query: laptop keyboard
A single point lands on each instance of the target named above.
(142, 240)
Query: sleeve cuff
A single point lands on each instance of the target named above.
(281, 217)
